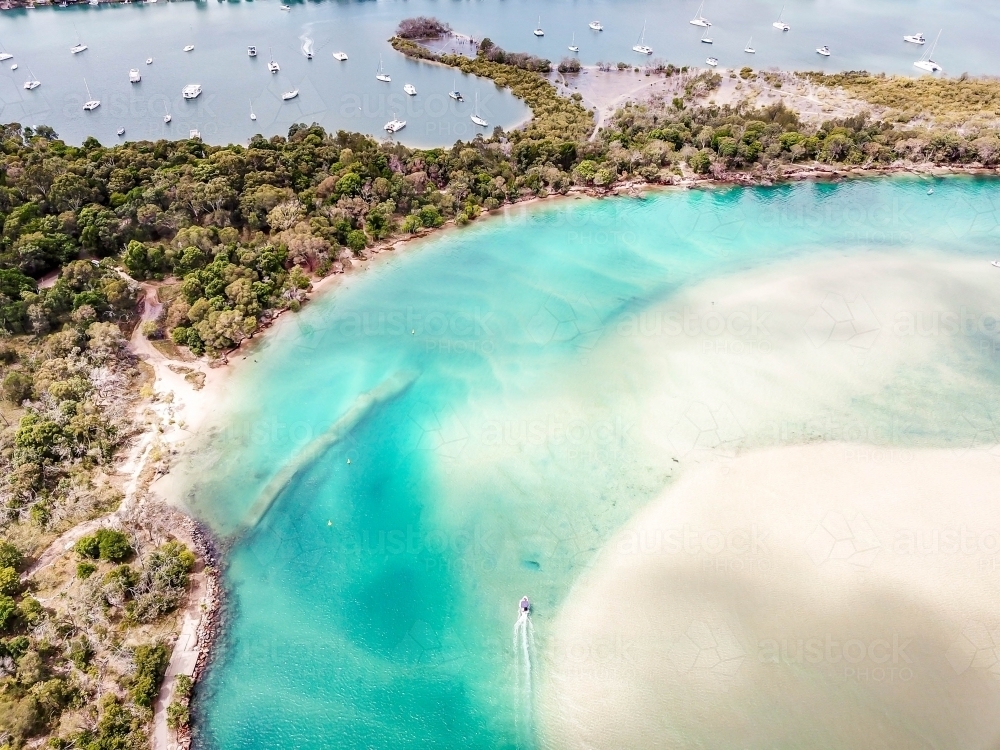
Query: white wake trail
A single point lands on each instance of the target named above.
(524, 639)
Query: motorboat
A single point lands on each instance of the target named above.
(699, 19)
(995, 264)
(749, 48)
(712, 62)
(572, 45)
(149, 61)
(538, 29)
(251, 51)
(32, 84)
(341, 56)
(194, 134)
(289, 95)
(824, 50)
(381, 75)
(410, 89)
(705, 38)
(476, 119)
(596, 26)
(91, 104)
(191, 91)
(917, 38)
(166, 114)
(272, 65)
(309, 55)
(640, 46)
(928, 64)
(524, 607)
(121, 132)
(14, 66)
(5, 56)
(76, 49)
(188, 47)
(284, 7)
(394, 125)
(133, 76)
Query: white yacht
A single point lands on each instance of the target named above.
(779, 24)
(91, 103)
(252, 115)
(149, 61)
(572, 44)
(699, 19)
(133, 76)
(824, 50)
(251, 51)
(928, 64)
(381, 75)
(77, 48)
(194, 134)
(476, 119)
(272, 65)
(705, 38)
(394, 125)
(121, 132)
(455, 93)
(410, 89)
(32, 83)
(166, 115)
(596, 26)
(995, 264)
(5, 56)
(749, 48)
(917, 38)
(14, 66)
(712, 62)
(640, 46)
(284, 7)
(340, 56)
(191, 91)
(538, 29)
(188, 47)
(289, 95)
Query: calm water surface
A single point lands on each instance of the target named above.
(862, 35)
(449, 437)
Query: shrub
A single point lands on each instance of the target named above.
(7, 611)
(88, 546)
(113, 545)
(10, 582)
(422, 27)
(16, 387)
(150, 666)
(569, 65)
(85, 570)
(10, 556)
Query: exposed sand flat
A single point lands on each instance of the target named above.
(804, 596)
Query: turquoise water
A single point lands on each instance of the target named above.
(449, 430)
(862, 35)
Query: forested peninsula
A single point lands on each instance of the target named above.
(230, 236)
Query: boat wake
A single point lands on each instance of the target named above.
(524, 646)
(307, 46)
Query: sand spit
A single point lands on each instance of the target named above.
(810, 596)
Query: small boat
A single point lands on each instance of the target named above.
(699, 19)
(91, 104)
(191, 91)
(596, 26)
(779, 24)
(394, 125)
(14, 66)
(341, 56)
(272, 65)
(712, 62)
(749, 49)
(5, 56)
(284, 7)
(188, 47)
(121, 132)
(917, 38)
(410, 89)
(824, 50)
(166, 115)
(133, 76)
(705, 38)
(309, 55)
(252, 115)
(149, 61)
(538, 29)
(926, 63)
(572, 45)
(289, 95)
(31, 83)
(381, 75)
(251, 51)
(930, 191)
(455, 93)
(476, 119)
(194, 134)
(640, 46)
(524, 607)
(995, 264)
(76, 49)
